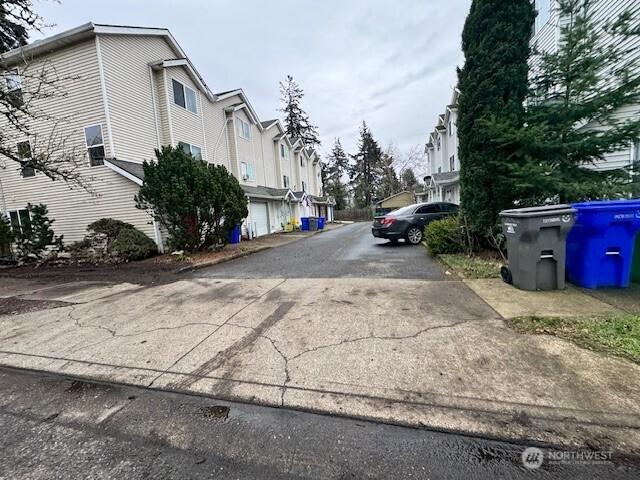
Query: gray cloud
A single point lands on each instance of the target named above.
(389, 62)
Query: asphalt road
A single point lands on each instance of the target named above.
(52, 427)
(345, 252)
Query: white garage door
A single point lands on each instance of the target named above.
(259, 218)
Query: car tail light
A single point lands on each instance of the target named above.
(388, 220)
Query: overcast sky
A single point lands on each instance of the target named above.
(391, 63)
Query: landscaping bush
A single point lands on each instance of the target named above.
(198, 203)
(131, 244)
(6, 236)
(111, 239)
(445, 236)
(33, 240)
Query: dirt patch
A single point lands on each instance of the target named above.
(16, 306)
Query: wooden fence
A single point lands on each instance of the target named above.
(355, 214)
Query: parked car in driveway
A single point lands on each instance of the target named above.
(408, 222)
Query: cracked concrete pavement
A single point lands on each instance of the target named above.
(339, 334)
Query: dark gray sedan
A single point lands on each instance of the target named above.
(409, 222)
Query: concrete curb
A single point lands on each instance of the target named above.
(211, 263)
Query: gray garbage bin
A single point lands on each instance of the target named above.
(536, 246)
(313, 224)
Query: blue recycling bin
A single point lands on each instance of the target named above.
(234, 235)
(304, 221)
(600, 245)
(320, 223)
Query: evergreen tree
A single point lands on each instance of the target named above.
(365, 172)
(389, 183)
(33, 239)
(335, 170)
(409, 180)
(571, 118)
(296, 120)
(492, 82)
(17, 18)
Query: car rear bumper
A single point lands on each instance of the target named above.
(385, 233)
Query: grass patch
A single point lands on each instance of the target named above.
(473, 266)
(615, 334)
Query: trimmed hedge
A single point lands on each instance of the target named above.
(445, 236)
(131, 244)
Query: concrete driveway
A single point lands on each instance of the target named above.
(337, 323)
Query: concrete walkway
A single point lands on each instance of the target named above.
(420, 351)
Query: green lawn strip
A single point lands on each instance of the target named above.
(472, 267)
(615, 334)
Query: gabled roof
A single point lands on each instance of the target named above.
(269, 123)
(267, 192)
(394, 195)
(446, 178)
(245, 101)
(184, 62)
(131, 170)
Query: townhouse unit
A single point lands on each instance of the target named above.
(442, 182)
(124, 92)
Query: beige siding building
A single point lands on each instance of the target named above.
(129, 91)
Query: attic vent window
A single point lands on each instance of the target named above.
(184, 96)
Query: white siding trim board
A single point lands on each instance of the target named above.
(105, 101)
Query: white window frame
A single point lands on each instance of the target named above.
(184, 95)
(541, 21)
(84, 131)
(304, 186)
(17, 211)
(191, 147)
(26, 140)
(286, 181)
(241, 129)
(452, 163)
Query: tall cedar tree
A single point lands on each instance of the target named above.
(365, 171)
(389, 183)
(296, 120)
(571, 118)
(335, 169)
(493, 82)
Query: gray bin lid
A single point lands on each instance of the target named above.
(543, 211)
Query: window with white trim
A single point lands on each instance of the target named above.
(301, 161)
(95, 145)
(438, 142)
(452, 163)
(25, 157)
(304, 186)
(13, 81)
(20, 220)
(184, 96)
(195, 152)
(244, 129)
(285, 181)
(450, 128)
(284, 152)
(247, 172)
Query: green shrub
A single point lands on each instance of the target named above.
(131, 244)
(445, 236)
(115, 240)
(33, 239)
(6, 236)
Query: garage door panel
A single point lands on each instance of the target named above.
(260, 218)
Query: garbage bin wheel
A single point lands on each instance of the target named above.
(505, 273)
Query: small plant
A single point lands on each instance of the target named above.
(445, 236)
(33, 239)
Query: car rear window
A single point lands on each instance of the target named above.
(402, 211)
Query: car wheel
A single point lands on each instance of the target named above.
(414, 235)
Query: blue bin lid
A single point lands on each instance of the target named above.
(607, 205)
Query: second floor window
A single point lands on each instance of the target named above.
(284, 152)
(247, 172)
(244, 129)
(543, 10)
(304, 186)
(196, 152)
(95, 145)
(25, 157)
(438, 143)
(452, 163)
(285, 181)
(184, 96)
(13, 82)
